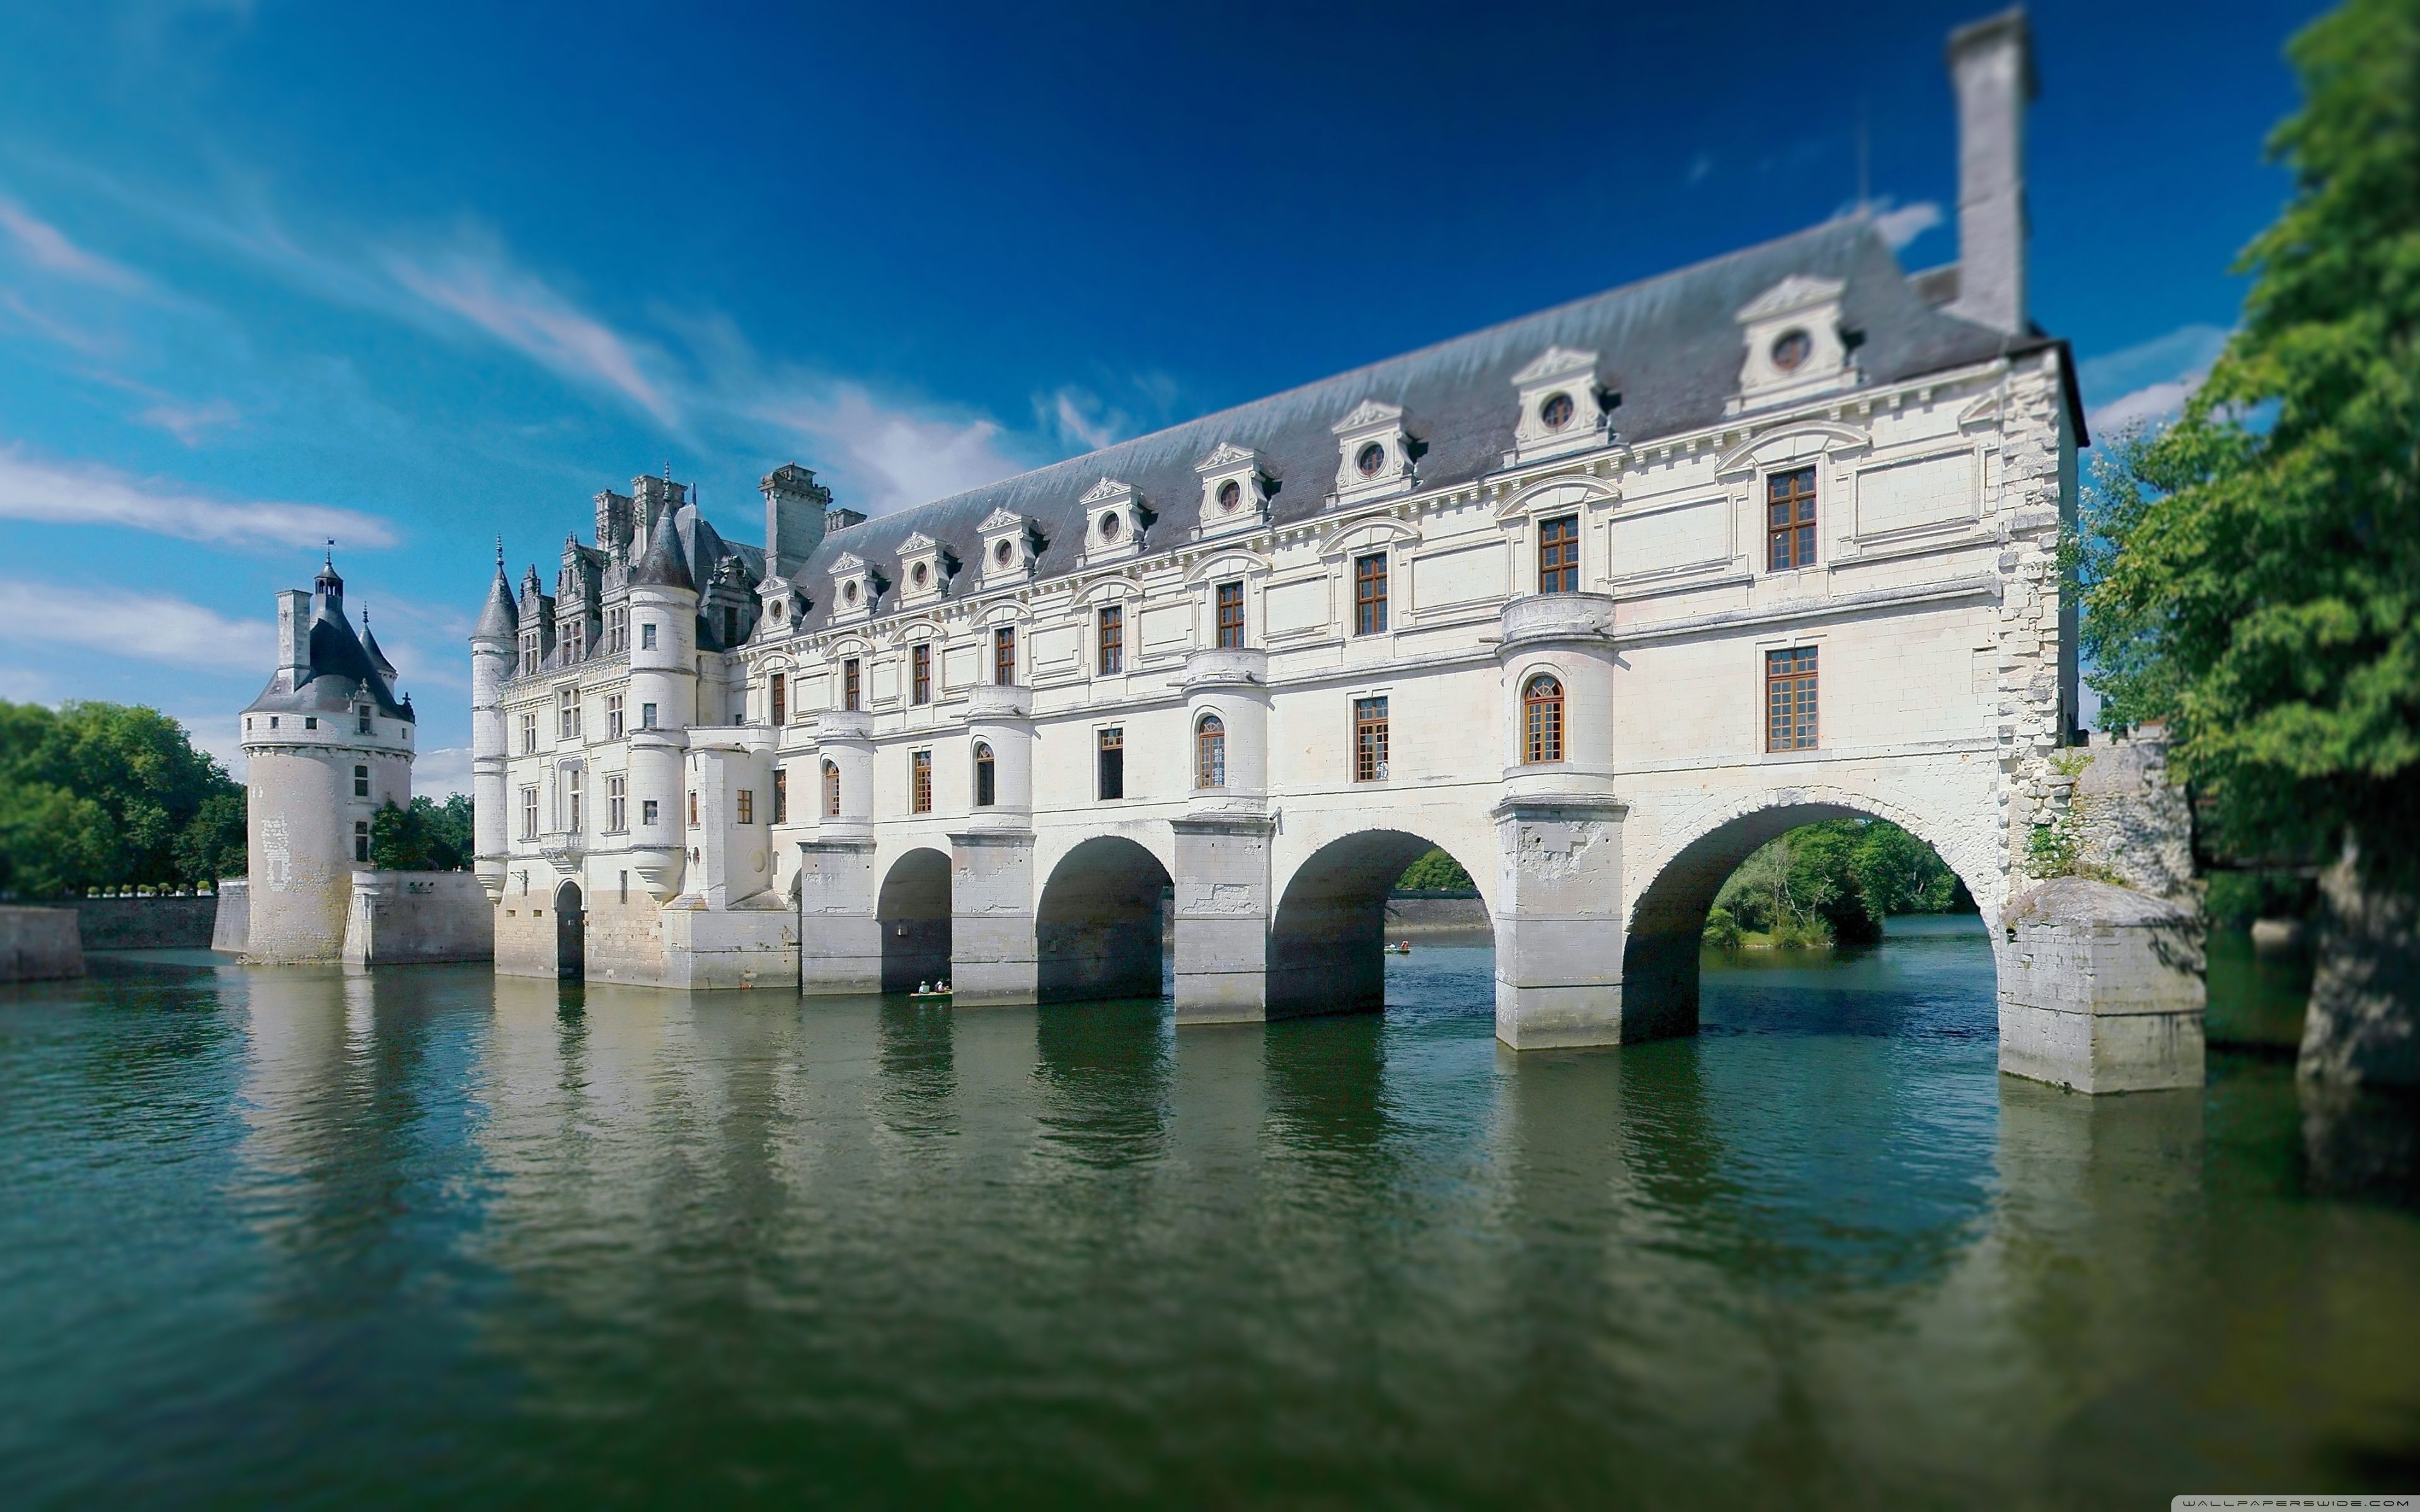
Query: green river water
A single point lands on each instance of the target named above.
(299, 1238)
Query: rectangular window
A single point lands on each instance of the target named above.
(617, 629)
(1230, 615)
(529, 653)
(529, 814)
(692, 810)
(920, 781)
(575, 638)
(1370, 594)
(571, 800)
(613, 716)
(747, 806)
(920, 671)
(617, 802)
(1003, 655)
(987, 784)
(1114, 763)
(781, 797)
(1790, 699)
(730, 625)
(780, 698)
(647, 636)
(364, 714)
(529, 734)
(1789, 519)
(361, 840)
(1558, 555)
(852, 684)
(566, 708)
(310, 721)
(1113, 640)
(646, 716)
(649, 811)
(1370, 740)
(361, 781)
(832, 791)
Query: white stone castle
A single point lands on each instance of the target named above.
(1599, 600)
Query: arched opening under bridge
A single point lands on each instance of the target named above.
(1327, 941)
(570, 933)
(913, 913)
(1799, 874)
(1100, 931)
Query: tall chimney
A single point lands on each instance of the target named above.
(1992, 66)
(293, 637)
(794, 518)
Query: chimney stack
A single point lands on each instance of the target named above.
(293, 637)
(794, 518)
(1992, 66)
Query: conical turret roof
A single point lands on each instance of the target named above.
(500, 620)
(370, 643)
(665, 565)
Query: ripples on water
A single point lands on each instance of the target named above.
(303, 1238)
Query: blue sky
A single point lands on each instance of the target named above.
(410, 276)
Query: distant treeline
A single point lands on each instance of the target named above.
(427, 836)
(1831, 883)
(1437, 871)
(100, 796)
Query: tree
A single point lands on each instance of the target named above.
(424, 836)
(1436, 871)
(213, 845)
(102, 795)
(2260, 586)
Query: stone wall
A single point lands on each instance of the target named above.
(38, 945)
(410, 918)
(231, 926)
(1415, 916)
(2128, 822)
(2101, 989)
(147, 923)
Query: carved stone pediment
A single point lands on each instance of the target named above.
(1367, 413)
(1554, 364)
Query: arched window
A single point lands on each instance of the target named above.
(1542, 719)
(987, 793)
(832, 790)
(1210, 752)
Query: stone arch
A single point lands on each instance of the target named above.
(1099, 928)
(1666, 917)
(571, 933)
(912, 913)
(1331, 921)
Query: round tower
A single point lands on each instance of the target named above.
(325, 745)
(663, 706)
(492, 663)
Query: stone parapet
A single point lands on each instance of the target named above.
(2101, 989)
(38, 945)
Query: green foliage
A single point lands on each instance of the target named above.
(2235, 899)
(2252, 574)
(1437, 870)
(2051, 851)
(109, 795)
(1832, 882)
(426, 837)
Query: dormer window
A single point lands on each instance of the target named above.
(1795, 345)
(1118, 520)
(1234, 491)
(1565, 408)
(854, 587)
(1008, 547)
(925, 567)
(1375, 453)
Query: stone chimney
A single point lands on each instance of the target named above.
(794, 518)
(1992, 66)
(293, 637)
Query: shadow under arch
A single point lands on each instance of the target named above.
(1325, 954)
(1667, 923)
(570, 933)
(913, 915)
(1099, 929)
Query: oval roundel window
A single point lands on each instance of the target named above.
(848, 593)
(777, 611)
(1108, 527)
(1790, 348)
(1230, 494)
(1371, 459)
(1003, 553)
(1556, 412)
(921, 575)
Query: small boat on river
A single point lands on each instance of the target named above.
(929, 992)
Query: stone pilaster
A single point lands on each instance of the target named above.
(991, 917)
(1558, 928)
(840, 942)
(1222, 920)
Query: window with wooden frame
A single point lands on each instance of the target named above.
(1370, 594)
(1542, 719)
(1003, 655)
(987, 782)
(1114, 639)
(781, 797)
(1789, 519)
(832, 790)
(1210, 752)
(1230, 616)
(1790, 699)
(780, 698)
(920, 672)
(920, 781)
(1369, 739)
(693, 809)
(1559, 554)
(852, 685)
(747, 806)
(1112, 765)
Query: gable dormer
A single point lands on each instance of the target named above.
(1114, 522)
(924, 570)
(854, 588)
(1796, 346)
(1234, 491)
(1008, 548)
(1563, 406)
(1374, 454)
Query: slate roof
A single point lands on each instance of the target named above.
(1671, 346)
(340, 667)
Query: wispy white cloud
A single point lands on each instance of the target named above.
(441, 772)
(155, 630)
(906, 454)
(484, 287)
(1079, 418)
(1701, 164)
(46, 247)
(2150, 382)
(1904, 224)
(189, 422)
(81, 494)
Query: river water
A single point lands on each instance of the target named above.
(299, 1238)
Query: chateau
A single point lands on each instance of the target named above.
(1599, 600)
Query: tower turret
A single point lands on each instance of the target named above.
(492, 663)
(663, 699)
